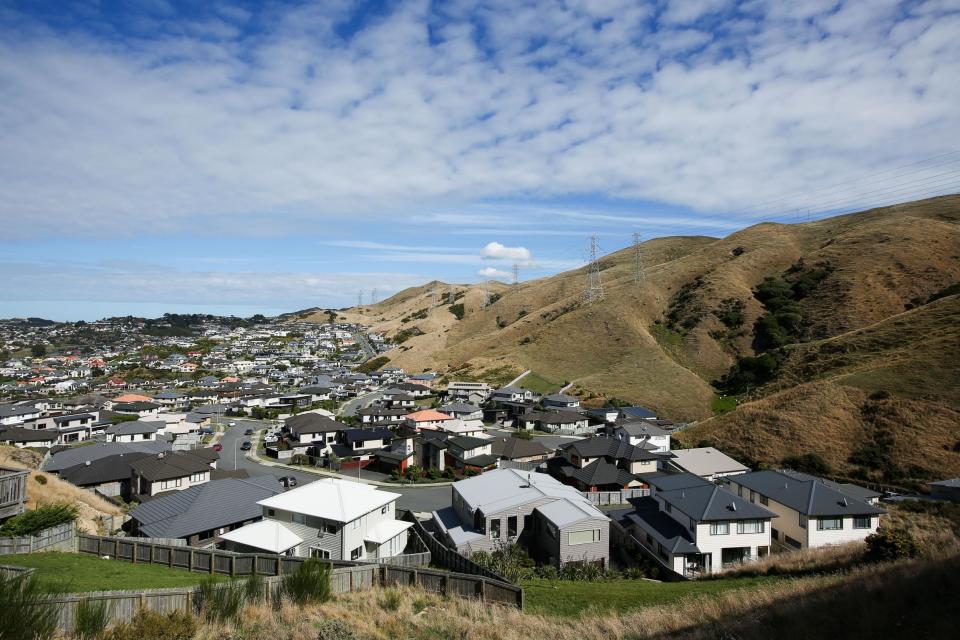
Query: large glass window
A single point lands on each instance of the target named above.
(803, 521)
(862, 522)
(299, 518)
(495, 529)
(319, 553)
(829, 524)
(750, 526)
(719, 528)
(583, 537)
(512, 527)
(356, 553)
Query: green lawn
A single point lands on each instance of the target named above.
(722, 404)
(569, 598)
(535, 382)
(74, 572)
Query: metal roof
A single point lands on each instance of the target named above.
(810, 497)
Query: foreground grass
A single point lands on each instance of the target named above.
(570, 598)
(73, 572)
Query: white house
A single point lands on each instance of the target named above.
(811, 513)
(696, 528)
(330, 518)
(636, 432)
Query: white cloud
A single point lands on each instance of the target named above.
(205, 130)
(496, 251)
(491, 272)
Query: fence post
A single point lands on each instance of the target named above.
(256, 561)
(445, 584)
(170, 556)
(134, 559)
(483, 589)
(233, 566)
(190, 563)
(213, 560)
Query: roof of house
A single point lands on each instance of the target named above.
(675, 537)
(848, 488)
(19, 434)
(637, 412)
(502, 489)
(332, 499)
(386, 530)
(512, 448)
(810, 497)
(428, 415)
(607, 447)
(135, 406)
(952, 482)
(109, 469)
(706, 461)
(704, 501)
(313, 423)
(600, 472)
(560, 398)
(467, 442)
(268, 535)
(215, 504)
(555, 417)
(77, 455)
(363, 435)
(641, 428)
(134, 427)
(459, 407)
(168, 465)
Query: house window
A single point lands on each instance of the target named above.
(719, 528)
(862, 522)
(271, 513)
(583, 537)
(495, 529)
(385, 508)
(329, 527)
(512, 527)
(319, 553)
(740, 491)
(829, 524)
(355, 524)
(764, 501)
(750, 526)
(753, 496)
(803, 521)
(299, 518)
(356, 553)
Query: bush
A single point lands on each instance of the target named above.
(91, 620)
(808, 463)
(391, 600)
(25, 613)
(43, 517)
(334, 630)
(457, 310)
(523, 434)
(891, 544)
(153, 625)
(310, 583)
(254, 588)
(40, 479)
(217, 602)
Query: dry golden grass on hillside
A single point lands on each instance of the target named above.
(870, 601)
(91, 507)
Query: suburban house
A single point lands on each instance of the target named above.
(140, 408)
(638, 432)
(330, 518)
(73, 456)
(514, 394)
(465, 452)
(20, 437)
(706, 462)
(553, 521)
(174, 471)
(946, 490)
(427, 419)
(202, 513)
(359, 447)
(470, 392)
(603, 464)
(811, 513)
(696, 527)
(560, 401)
(463, 411)
(313, 428)
(519, 450)
(109, 476)
(134, 431)
(378, 415)
(561, 422)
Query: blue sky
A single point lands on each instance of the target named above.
(264, 157)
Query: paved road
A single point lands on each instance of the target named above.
(368, 349)
(413, 498)
(350, 407)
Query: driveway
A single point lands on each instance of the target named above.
(350, 407)
(413, 498)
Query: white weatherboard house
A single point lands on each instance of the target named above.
(811, 512)
(330, 518)
(696, 528)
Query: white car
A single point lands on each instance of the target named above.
(231, 424)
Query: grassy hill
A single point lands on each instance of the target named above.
(842, 307)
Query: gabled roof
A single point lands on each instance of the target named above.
(428, 415)
(168, 465)
(809, 497)
(78, 455)
(313, 423)
(555, 417)
(332, 499)
(215, 504)
(459, 407)
(613, 448)
(600, 472)
(109, 469)
(268, 535)
(641, 428)
(861, 493)
(466, 442)
(362, 435)
(134, 427)
(512, 448)
(706, 502)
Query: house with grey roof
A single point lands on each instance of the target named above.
(560, 401)
(134, 431)
(563, 422)
(706, 462)
(604, 464)
(553, 521)
(167, 471)
(73, 456)
(519, 449)
(695, 527)
(810, 513)
(109, 475)
(946, 490)
(203, 513)
(638, 432)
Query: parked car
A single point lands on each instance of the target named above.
(231, 424)
(246, 446)
(217, 447)
(288, 481)
(248, 432)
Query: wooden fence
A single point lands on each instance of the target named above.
(629, 548)
(58, 538)
(443, 556)
(614, 497)
(13, 491)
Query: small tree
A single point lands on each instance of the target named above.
(891, 544)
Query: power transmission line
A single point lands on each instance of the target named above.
(360, 298)
(637, 259)
(594, 290)
(516, 273)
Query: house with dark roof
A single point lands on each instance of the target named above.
(638, 432)
(314, 428)
(695, 527)
(109, 475)
(519, 449)
(811, 512)
(134, 431)
(466, 452)
(946, 490)
(603, 464)
(202, 513)
(561, 422)
(20, 437)
(139, 408)
(167, 471)
(560, 401)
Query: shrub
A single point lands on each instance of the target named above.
(40, 479)
(254, 588)
(524, 434)
(310, 583)
(808, 463)
(391, 600)
(334, 630)
(457, 310)
(91, 620)
(43, 517)
(891, 544)
(153, 625)
(25, 613)
(218, 602)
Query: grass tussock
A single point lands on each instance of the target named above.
(24, 611)
(910, 598)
